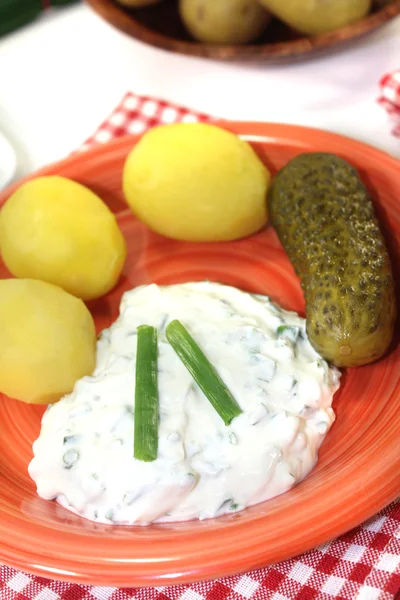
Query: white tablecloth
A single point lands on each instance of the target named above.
(62, 75)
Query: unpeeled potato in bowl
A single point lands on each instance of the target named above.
(224, 21)
(57, 230)
(312, 17)
(47, 341)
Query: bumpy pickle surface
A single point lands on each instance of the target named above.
(326, 222)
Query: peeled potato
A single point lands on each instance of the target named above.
(196, 182)
(47, 341)
(57, 230)
(224, 21)
(317, 16)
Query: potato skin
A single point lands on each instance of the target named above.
(196, 182)
(313, 17)
(224, 21)
(57, 230)
(47, 341)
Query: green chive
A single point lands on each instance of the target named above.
(202, 371)
(146, 395)
(282, 328)
(290, 331)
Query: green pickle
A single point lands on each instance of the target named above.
(326, 222)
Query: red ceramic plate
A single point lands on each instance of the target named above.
(359, 468)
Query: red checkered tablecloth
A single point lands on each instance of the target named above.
(390, 98)
(136, 113)
(363, 564)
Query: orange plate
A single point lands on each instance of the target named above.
(359, 466)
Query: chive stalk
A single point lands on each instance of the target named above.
(146, 395)
(202, 371)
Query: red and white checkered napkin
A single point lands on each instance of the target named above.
(390, 98)
(136, 113)
(363, 564)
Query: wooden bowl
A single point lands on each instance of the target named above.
(160, 26)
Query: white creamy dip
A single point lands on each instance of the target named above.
(84, 455)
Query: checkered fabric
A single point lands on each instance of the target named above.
(390, 98)
(136, 113)
(363, 564)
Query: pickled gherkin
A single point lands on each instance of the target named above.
(326, 222)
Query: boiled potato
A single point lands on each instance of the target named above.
(47, 341)
(57, 230)
(224, 21)
(317, 16)
(196, 182)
